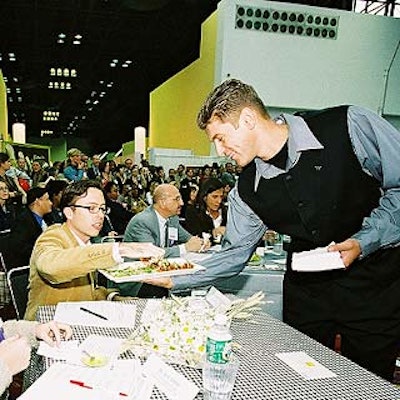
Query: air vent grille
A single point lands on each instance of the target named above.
(314, 25)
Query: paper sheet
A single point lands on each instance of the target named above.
(167, 380)
(58, 353)
(116, 314)
(124, 381)
(319, 259)
(305, 365)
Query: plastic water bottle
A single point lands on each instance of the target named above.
(218, 372)
(219, 341)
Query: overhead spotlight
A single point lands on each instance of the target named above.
(73, 73)
(52, 72)
(61, 35)
(66, 72)
(59, 72)
(113, 65)
(124, 65)
(60, 41)
(76, 42)
(115, 61)
(128, 62)
(78, 36)
(68, 86)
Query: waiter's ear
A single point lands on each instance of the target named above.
(248, 118)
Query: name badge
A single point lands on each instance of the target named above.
(172, 233)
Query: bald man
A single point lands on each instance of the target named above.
(159, 224)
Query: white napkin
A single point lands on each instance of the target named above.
(319, 259)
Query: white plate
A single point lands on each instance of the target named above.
(147, 275)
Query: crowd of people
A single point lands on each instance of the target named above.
(326, 178)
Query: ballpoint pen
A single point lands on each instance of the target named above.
(84, 385)
(93, 313)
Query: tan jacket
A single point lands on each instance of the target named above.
(61, 270)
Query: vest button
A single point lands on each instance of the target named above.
(300, 204)
(288, 177)
(314, 232)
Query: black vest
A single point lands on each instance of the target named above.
(324, 197)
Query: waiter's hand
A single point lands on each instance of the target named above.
(162, 282)
(139, 250)
(349, 250)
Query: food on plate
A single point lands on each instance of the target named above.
(255, 259)
(151, 266)
(97, 360)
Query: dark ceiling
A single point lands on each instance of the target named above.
(157, 37)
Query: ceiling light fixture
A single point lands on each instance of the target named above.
(61, 35)
(78, 36)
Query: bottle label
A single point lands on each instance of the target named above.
(218, 351)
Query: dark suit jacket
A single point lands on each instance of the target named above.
(23, 236)
(197, 221)
(92, 174)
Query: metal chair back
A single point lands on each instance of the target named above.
(18, 280)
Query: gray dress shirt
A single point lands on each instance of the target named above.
(376, 144)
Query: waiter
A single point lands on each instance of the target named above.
(322, 177)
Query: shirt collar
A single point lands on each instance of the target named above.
(300, 138)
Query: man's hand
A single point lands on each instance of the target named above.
(15, 352)
(52, 332)
(140, 250)
(349, 250)
(196, 244)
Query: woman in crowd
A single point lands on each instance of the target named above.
(208, 215)
(105, 172)
(7, 210)
(38, 175)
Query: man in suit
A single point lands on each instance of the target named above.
(64, 262)
(93, 172)
(28, 226)
(159, 224)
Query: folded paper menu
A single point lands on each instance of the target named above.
(319, 259)
(305, 365)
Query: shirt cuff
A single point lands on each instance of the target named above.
(111, 296)
(182, 249)
(115, 253)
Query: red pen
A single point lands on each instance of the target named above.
(81, 384)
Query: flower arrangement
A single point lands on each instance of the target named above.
(176, 328)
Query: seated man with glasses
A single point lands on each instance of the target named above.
(64, 262)
(159, 224)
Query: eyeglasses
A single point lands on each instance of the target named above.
(93, 209)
